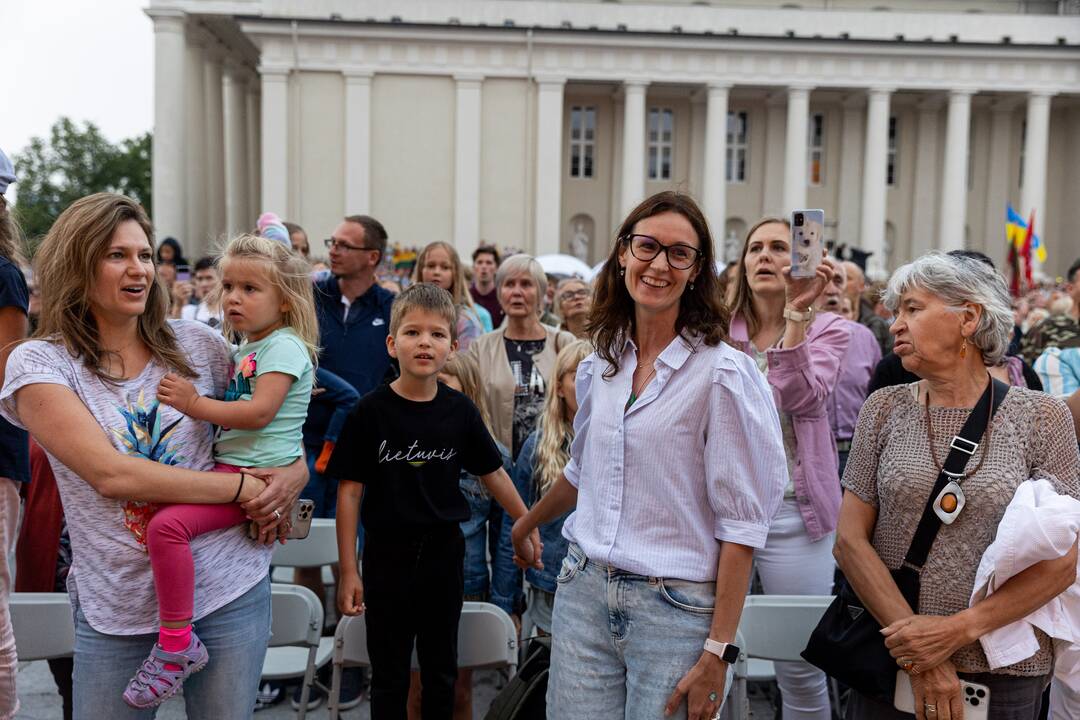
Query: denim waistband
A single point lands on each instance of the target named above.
(611, 570)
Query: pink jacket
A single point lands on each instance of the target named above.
(802, 379)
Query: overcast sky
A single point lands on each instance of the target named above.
(87, 59)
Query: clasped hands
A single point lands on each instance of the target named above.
(922, 646)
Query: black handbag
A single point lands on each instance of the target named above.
(847, 643)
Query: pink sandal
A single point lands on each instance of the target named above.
(154, 683)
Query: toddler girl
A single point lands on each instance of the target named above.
(266, 297)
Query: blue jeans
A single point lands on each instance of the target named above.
(621, 642)
(235, 635)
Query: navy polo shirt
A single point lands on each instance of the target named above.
(353, 348)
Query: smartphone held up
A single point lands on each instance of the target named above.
(807, 242)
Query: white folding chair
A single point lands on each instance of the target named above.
(487, 638)
(318, 549)
(772, 627)
(43, 624)
(297, 647)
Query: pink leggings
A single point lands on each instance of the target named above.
(168, 541)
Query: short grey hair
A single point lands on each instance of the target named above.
(955, 281)
(523, 264)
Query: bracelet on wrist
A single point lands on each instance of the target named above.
(239, 488)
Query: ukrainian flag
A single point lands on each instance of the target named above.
(1016, 232)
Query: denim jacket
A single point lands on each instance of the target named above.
(481, 531)
(555, 545)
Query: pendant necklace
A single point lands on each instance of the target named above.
(951, 500)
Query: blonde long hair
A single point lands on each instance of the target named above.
(556, 426)
(66, 263)
(467, 371)
(287, 271)
(460, 288)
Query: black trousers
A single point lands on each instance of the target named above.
(412, 589)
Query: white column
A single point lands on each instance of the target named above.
(251, 137)
(698, 121)
(467, 163)
(549, 153)
(1036, 139)
(872, 226)
(196, 240)
(851, 163)
(633, 146)
(274, 139)
(169, 114)
(215, 142)
(798, 109)
(954, 177)
(357, 142)
(714, 182)
(773, 186)
(236, 219)
(999, 178)
(924, 204)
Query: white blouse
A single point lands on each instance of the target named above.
(697, 460)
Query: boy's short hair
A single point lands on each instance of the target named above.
(205, 263)
(424, 296)
(487, 250)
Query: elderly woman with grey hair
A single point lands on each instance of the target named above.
(516, 358)
(953, 320)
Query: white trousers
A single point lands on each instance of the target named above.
(9, 522)
(790, 564)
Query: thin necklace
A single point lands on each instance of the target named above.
(634, 393)
(985, 442)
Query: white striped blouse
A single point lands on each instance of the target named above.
(697, 460)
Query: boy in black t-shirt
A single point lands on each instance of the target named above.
(402, 451)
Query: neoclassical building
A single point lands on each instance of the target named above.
(539, 124)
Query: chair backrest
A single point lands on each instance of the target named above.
(487, 638)
(43, 624)
(296, 616)
(777, 627)
(318, 548)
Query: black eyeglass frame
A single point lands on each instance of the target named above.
(331, 242)
(666, 249)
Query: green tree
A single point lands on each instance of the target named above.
(73, 162)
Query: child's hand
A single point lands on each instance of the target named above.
(350, 596)
(177, 392)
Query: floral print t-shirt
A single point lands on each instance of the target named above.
(110, 573)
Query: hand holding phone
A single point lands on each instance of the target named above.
(299, 521)
(974, 696)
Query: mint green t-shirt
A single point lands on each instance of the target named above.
(279, 443)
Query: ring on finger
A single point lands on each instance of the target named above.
(277, 513)
(930, 708)
(712, 696)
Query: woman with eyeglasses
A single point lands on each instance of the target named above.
(676, 468)
(799, 354)
(573, 298)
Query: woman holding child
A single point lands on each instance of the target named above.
(676, 468)
(87, 388)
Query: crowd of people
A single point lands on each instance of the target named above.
(614, 462)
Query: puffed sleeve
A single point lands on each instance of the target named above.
(31, 363)
(861, 473)
(745, 466)
(583, 390)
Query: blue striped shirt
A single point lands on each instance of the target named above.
(1059, 370)
(697, 460)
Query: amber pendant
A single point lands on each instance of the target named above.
(949, 502)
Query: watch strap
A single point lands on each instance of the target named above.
(799, 315)
(728, 652)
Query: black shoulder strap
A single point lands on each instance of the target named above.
(962, 448)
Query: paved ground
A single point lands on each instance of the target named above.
(40, 701)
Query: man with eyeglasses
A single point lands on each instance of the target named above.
(354, 318)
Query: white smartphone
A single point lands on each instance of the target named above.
(807, 242)
(303, 510)
(976, 697)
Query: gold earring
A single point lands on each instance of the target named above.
(963, 349)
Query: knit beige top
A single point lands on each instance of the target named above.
(890, 468)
